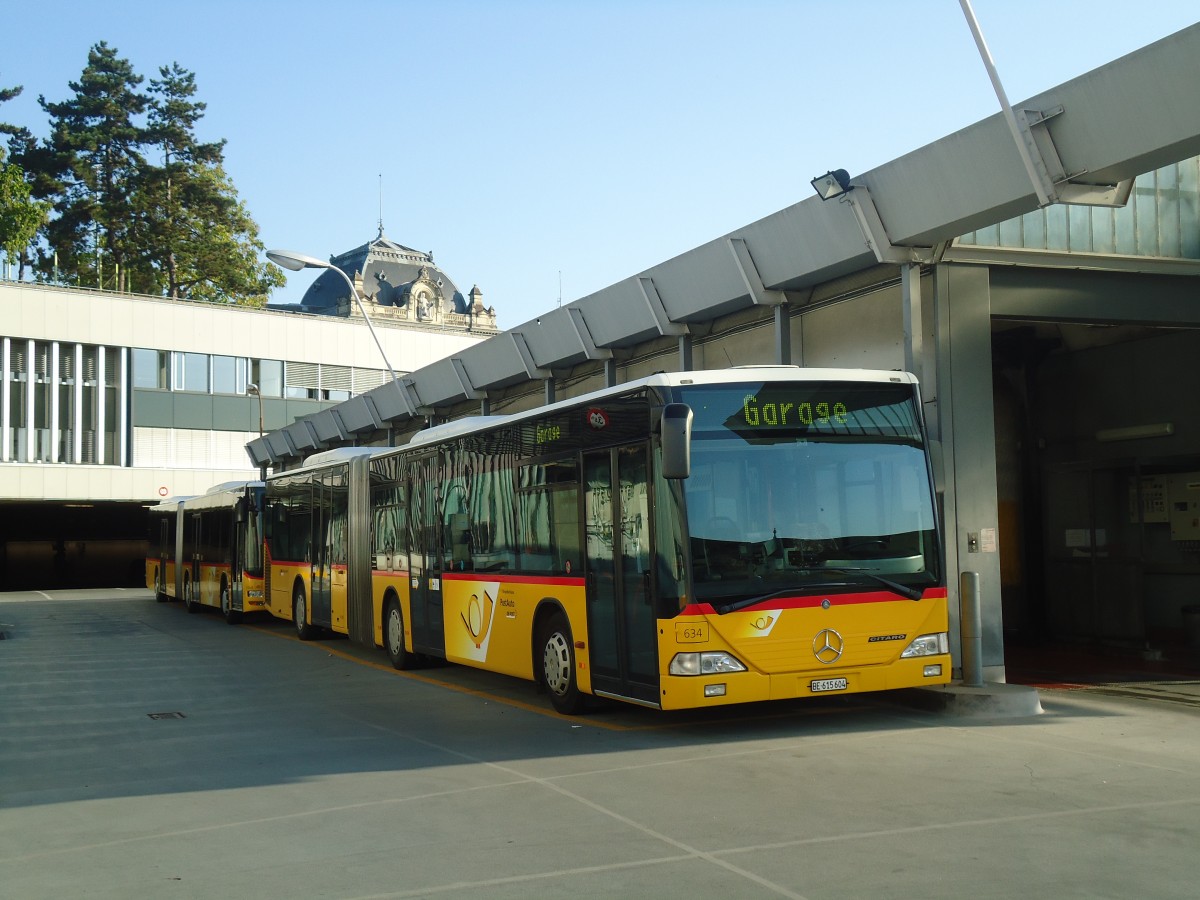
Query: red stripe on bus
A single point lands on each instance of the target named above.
(512, 579)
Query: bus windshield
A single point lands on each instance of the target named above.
(808, 487)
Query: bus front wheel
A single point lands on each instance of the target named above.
(558, 665)
(232, 616)
(304, 631)
(393, 636)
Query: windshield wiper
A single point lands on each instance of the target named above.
(908, 593)
(750, 601)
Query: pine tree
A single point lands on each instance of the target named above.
(140, 203)
(95, 142)
(199, 236)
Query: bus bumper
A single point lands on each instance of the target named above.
(691, 692)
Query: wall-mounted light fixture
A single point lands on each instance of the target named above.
(1135, 432)
(832, 184)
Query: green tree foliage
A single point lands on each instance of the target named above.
(140, 203)
(203, 241)
(20, 215)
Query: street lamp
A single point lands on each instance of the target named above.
(253, 391)
(297, 261)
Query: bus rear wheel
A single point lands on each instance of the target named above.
(189, 602)
(304, 631)
(232, 616)
(558, 665)
(393, 636)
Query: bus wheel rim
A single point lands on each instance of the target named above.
(557, 663)
(395, 632)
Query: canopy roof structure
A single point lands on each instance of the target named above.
(1090, 136)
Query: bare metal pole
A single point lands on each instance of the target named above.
(1021, 136)
(362, 309)
(297, 261)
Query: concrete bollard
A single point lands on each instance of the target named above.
(970, 626)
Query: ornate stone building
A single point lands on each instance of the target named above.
(400, 285)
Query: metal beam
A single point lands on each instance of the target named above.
(463, 379)
(658, 309)
(748, 271)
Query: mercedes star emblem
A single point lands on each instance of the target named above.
(828, 646)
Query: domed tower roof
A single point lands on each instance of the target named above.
(385, 273)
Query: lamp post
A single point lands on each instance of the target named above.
(297, 261)
(253, 391)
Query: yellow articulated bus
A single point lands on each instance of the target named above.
(207, 550)
(681, 541)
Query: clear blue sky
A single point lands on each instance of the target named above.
(521, 139)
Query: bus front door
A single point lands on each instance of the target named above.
(425, 557)
(321, 571)
(621, 624)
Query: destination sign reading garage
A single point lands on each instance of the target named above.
(798, 410)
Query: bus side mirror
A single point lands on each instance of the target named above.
(676, 434)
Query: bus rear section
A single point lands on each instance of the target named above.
(208, 550)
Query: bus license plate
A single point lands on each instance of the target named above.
(829, 684)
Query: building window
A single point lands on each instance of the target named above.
(191, 372)
(224, 375)
(150, 368)
(268, 375)
(43, 377)
(110, 398)
(18, 412)
(66, 403)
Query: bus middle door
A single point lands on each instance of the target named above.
(425, 556)
(321, 573)
(193, 568)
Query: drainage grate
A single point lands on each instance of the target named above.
(170, 715)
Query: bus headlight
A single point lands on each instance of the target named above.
(927, 645)
(712, 662)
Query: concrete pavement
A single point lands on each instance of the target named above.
(148, 753)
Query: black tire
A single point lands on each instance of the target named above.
(304, 630)
(556, 652)
(192, 606)
(232, 616)
(393, 636)
(160, 594)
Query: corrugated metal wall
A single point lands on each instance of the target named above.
(1161, 219)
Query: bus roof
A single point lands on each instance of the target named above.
(232, 486)
(218, 496)
(732, 375)
(338, 454)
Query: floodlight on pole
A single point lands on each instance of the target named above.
(833, 184)
(297, 261)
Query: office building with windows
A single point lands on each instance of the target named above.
(110, 402)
